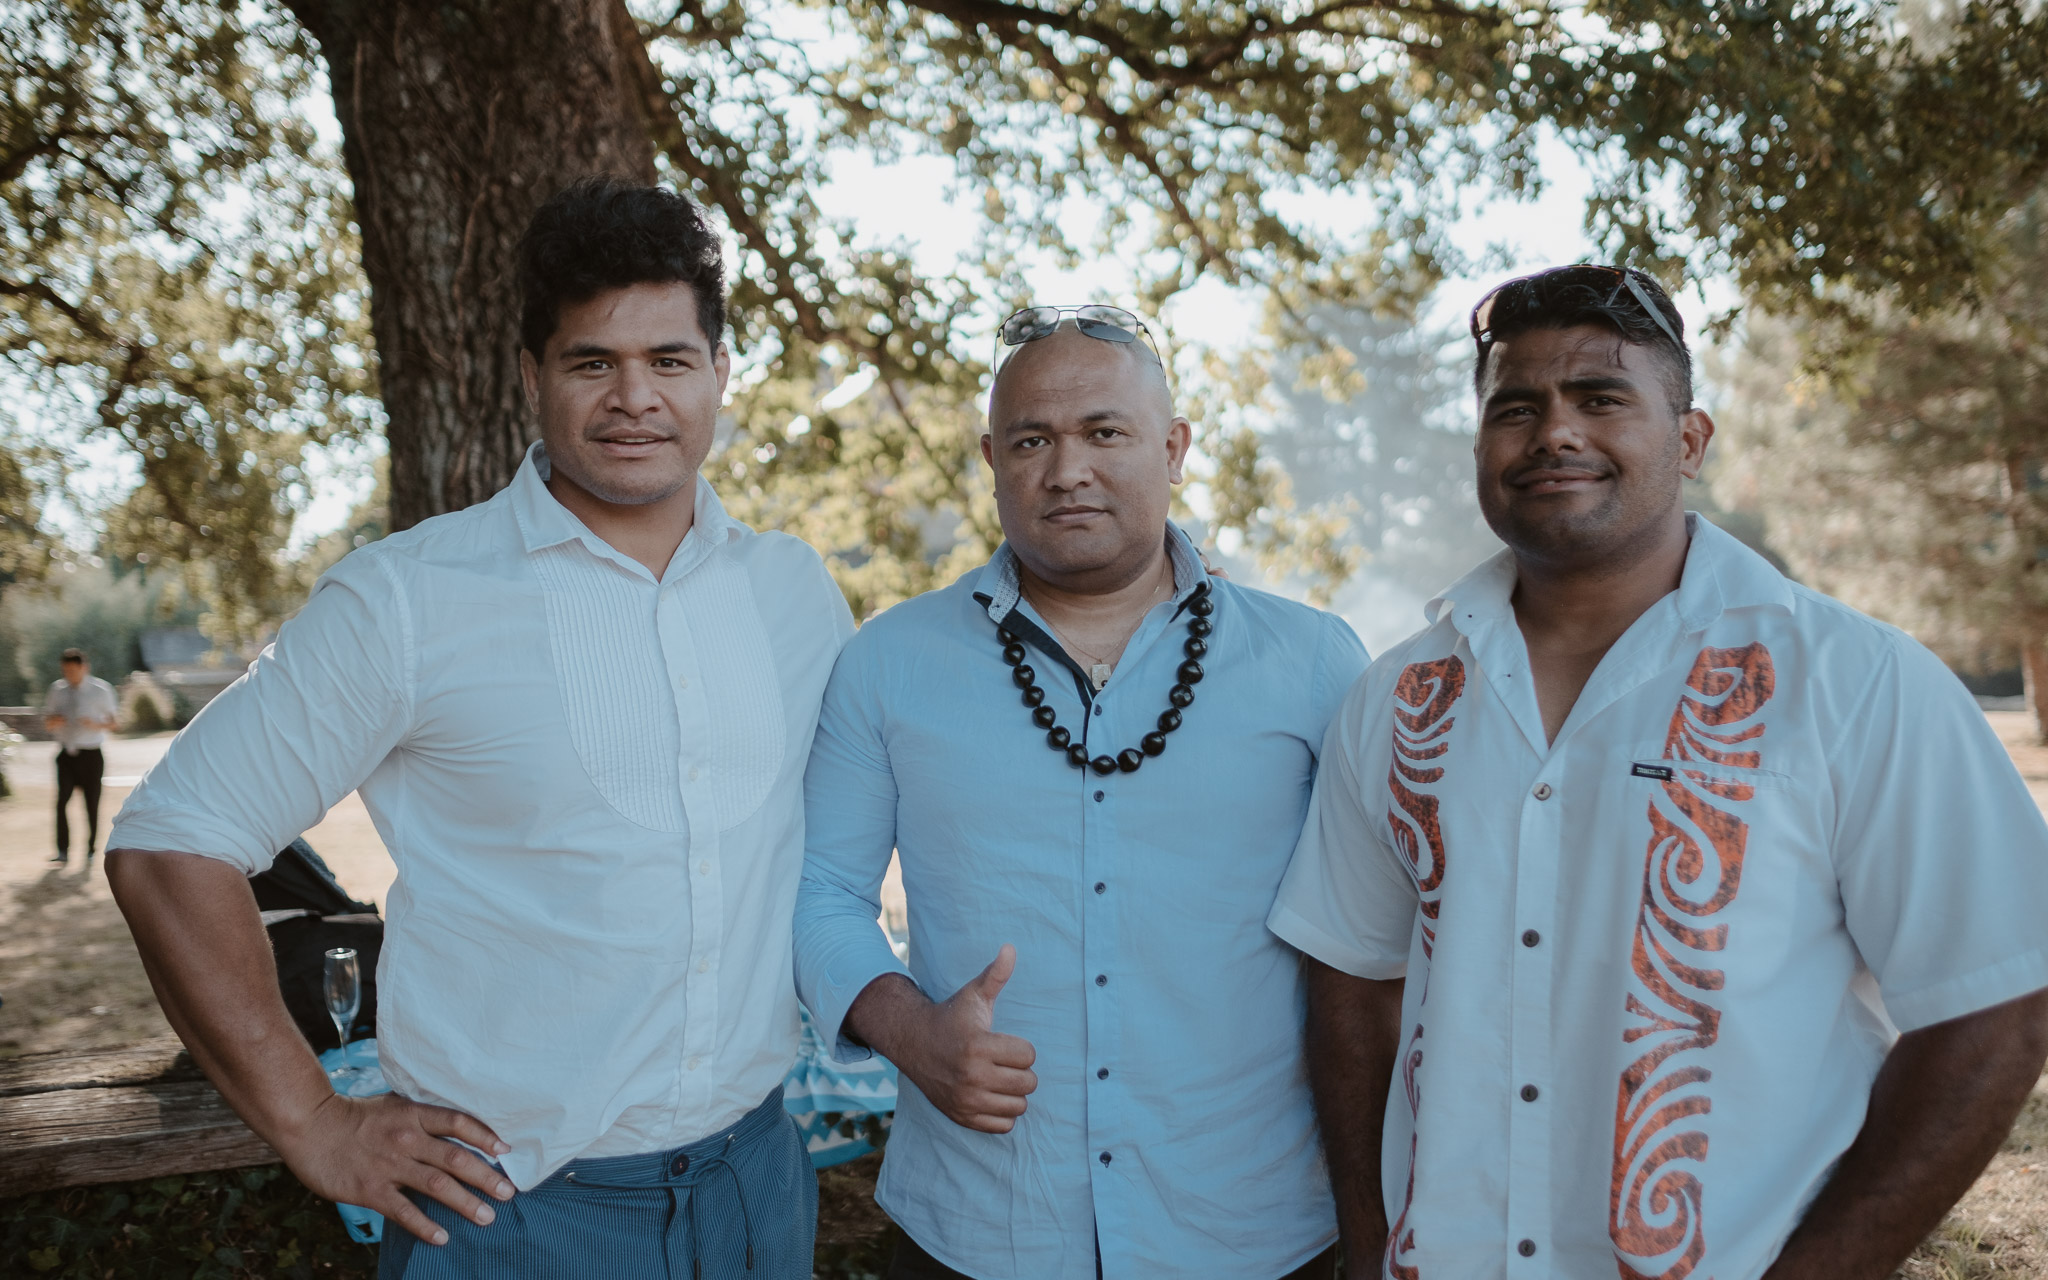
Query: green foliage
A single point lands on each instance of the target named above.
(90, 607)
(212, 1226)
(146, 717)
(1901, 457)
(177, 266)
(177, 273)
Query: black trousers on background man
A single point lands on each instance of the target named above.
(79, 770)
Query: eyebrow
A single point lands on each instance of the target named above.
(1087, 419)
(588, 350)
(1589, 382)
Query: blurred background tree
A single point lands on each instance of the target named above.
(191, 270)
(1899, 456)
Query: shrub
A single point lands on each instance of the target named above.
(146, 717)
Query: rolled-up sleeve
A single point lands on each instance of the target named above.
(1346, 900)
(309, 721)
(1941, 853)
(850, 831)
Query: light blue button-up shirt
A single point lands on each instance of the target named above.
(1172, 1120)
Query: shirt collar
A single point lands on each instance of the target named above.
(999, 585)
(545, 522)
(1720, 574)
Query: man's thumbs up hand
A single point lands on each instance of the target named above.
(978, 1077)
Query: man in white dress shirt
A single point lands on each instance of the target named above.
(79, 713)
(1669, 852)
(579, 715)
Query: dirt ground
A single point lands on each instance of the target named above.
(71, 979)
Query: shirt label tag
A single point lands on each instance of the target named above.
(1661, 772)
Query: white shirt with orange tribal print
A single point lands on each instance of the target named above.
(1652, 968)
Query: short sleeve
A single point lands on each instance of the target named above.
(1346, 900)
(1340, 660)
(1941, 853)
(309, 721)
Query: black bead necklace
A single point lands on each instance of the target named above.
(1199, 607)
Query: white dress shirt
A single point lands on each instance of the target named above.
(1652, 968)
(90, 699)
(590, 780)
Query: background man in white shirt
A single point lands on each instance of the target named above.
(80, 711)
(1668, 851)
(579, 714)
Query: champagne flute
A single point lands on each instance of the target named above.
(344, 1000)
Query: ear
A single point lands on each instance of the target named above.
(988, 451)
(1695, 429)
(721, 368)
(1179, 437)
(529, 377)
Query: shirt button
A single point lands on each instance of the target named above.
(1098, 711)
(1527, 1248)
(694, 772)
(695, 1062)
(1101, 887)
(1530, 937)
(1542, 791)
(682, 682)
(1102, 1073)
(1101, 979)
(1105, 1157)
(679, 1166)
(1528, 1093)
(703, 966)
(704, 867)
(1098, 797)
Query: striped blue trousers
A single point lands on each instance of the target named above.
(741, 1204)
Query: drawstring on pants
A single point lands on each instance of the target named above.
(739, 1192)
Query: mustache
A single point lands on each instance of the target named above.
(1594, 470)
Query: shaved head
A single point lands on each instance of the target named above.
(1068, 344)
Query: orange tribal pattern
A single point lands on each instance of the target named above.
(1423, 698)
(1431, 688)
(1401, 1238)
(1691, 874)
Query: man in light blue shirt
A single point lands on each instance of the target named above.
(1094, 760)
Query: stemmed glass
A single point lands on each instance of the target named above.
(344, 1000)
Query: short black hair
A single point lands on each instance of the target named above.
(606, 233)
(71, 655)
(1569, 297)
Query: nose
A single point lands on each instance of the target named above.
(1071, 468)
(1557, 430)
(632, 390)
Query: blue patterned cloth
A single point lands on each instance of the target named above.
(838, 1108)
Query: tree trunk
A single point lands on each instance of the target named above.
(458, 118)
(2034, 672)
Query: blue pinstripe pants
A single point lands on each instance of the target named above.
(739, 1205)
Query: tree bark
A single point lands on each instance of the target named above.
(2034, 673)
(459, 117)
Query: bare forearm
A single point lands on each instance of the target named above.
(1943, 1102)
(1353, 1039)
(202, 942)
(885, 1016)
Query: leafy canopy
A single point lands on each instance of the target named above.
(1317, 150)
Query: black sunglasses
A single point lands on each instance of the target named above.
(1096, 320)
(1592, 274)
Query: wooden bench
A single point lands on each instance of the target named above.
(115, 1115)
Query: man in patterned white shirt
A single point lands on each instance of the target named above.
(579, 714)
(1627, 873)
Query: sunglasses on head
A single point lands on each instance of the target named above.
(1094, 319)
(1591, 274)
